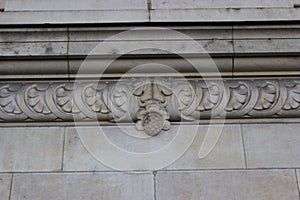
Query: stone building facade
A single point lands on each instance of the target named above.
(149, 99)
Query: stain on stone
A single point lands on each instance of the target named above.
(49, 50)
(114, 51)
(8, 42)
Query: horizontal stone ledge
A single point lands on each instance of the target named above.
(225, 15)
(73, 17)
(156, 15)
(149, 102)
(92, 67)
(116, 33)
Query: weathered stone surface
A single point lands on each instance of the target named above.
(272, 145)
(81, 17)
(83, 186)
(224, 15)
(5, 182)
(8, 49)
(263, 32)
(268, 46)
(30, 149)
(33, 35)
(258, 184)
(32, 5)
(227, 153)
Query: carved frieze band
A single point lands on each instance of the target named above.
(151, 103)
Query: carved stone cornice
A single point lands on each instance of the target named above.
(152, 103)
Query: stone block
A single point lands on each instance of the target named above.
(247, 185)
(272, 145)
(148, 33)
(55, 5)
(13, 35)
(74, 16)
(31, 149)
(267, 46)
(118, 48)
(83, 186)
(224, 15)
(77, 157)
(5, 182)
(169, 4)
(228, 153)
(266, 32)
(9, 49)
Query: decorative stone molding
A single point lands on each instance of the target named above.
(152, 103)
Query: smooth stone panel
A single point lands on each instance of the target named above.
(31, 149)
(224, 15)
(34, 35)
(33, 49)
(267, 46)
(117, 48)
(5, 182)
(228, 153)
(245, 66)
(119, 67)
(2, 4)
(83, 186)
(272, 145)
(180, 4)
(78, 17)
(34, 68)
(77, 157)
(55, 5)
(127, 138)
(246, 185)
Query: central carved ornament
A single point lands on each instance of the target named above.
(152, 115)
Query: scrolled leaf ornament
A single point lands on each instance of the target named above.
(152, 116)
(151, 103)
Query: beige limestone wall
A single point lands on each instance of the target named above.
(249, 161)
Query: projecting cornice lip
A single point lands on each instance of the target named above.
(152, 102)
(236, 50)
